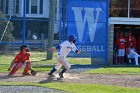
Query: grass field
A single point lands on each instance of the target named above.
(39, 63)
(78, 88)
(116, 70)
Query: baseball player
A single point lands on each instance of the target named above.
(131, 48)
(63, 50)
(133, 54)
(21, 61)
(121, 42)
(131, 40)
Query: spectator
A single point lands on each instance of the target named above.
(131, 40)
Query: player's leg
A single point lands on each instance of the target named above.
(119, 56)
(58, 66)
(122, 55)
(52, 71)
(115, 57)
(129, 57)
(136, 55)
(66, 67)
(136, 61)
(15, 67)
(26, 66)
(62, 72)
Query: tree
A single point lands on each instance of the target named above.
(118, 8)
(51, 28)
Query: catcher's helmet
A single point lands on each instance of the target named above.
(72, 38)
(23, 47)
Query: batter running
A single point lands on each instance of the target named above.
(63, 50)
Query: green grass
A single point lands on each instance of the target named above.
(78, 88)
(116, 70)
(39, 64)
(39, 61)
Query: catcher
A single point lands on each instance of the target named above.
(21, 61)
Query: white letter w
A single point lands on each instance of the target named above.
(89, 18)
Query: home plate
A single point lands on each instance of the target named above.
(67, 76)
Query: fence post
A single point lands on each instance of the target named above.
(24, 22)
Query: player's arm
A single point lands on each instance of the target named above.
(11, 65)
(27, 57)
(16, 59)
(76, 50)
(54, 48)
(57, 48)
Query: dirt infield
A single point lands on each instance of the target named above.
(105, 79)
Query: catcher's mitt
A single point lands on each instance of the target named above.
(34, 73)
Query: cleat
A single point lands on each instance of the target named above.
(26, 74)
(61, 75)
(11, 75)
(51, 75)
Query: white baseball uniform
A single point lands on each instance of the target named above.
(64, 50)
(133, 54)
(121, 52)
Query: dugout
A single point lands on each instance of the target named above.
(124, 25)
(135, 29)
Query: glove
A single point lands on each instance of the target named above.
(34, 73)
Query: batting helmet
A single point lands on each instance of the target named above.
(72, 38)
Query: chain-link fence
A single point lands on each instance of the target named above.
(26, 22)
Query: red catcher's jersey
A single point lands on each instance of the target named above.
(121, 42)
(21, 57)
